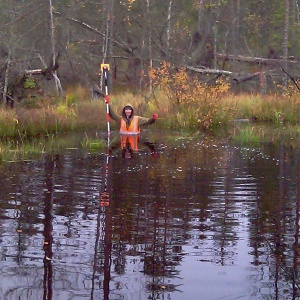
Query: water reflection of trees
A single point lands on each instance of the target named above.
(156, 219)
(200, 198)
(22, 217)
(271, 195)
(275, 221)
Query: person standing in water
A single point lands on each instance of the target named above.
(130, 127)
(129, 122)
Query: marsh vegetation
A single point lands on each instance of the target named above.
(182, 102)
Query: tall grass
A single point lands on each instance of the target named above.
(197, 108)
(8, 122)
(247, 135)
(275, 108)
(253, 134)
(75, 111)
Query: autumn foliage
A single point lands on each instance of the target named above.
(196, 105)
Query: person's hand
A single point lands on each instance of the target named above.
(106, 99)
(155, 116)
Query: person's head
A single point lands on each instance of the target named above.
(127, 153)
(127, 111)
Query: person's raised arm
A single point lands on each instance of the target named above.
(112, 114)
(147, 121)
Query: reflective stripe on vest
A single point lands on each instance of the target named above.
(133, 127)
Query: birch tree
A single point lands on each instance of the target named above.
(133, 35)
(169, 22)
(286, 32)
(8, 59)
(57, 80)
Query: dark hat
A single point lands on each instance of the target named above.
(127, 153)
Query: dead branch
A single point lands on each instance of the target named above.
(48, 71)
(122, 44)
(292, 78)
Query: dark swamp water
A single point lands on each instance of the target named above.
(183, 219)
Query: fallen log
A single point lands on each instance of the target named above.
(258, 60)
(48, 71)
(209, 71)
(33, 72)
(233, 77)
(246, 77)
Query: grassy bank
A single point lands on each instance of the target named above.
(193, 109)
(41, 117)
(78, 111)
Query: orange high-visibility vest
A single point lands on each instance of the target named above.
(130, 141)
(133, 127)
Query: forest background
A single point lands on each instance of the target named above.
(194, 61)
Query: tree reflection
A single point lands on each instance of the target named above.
(277, 221)
(102, 253)
(161, 255)
(297, 230)
(205, 209)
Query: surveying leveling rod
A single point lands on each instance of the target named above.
(105, 69)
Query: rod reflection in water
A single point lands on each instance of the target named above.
(48, 228)
(103, 243)
(102, 253)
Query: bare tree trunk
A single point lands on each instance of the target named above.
(200, 15)
(106, 31)
(238, 21)
(6, 75)
(110, 37)
(107, 45)
(169, 23)
(150, 46)
(58, 86)
(215, 31)
(234, 36)
(9, 57)
(105, 41)
(297, 11)
(286, 35)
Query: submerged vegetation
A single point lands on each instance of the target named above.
(183, 103)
